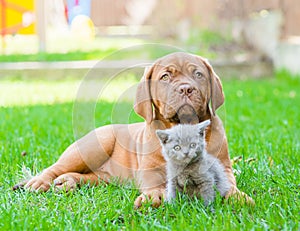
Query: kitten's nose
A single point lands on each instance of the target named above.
(185, 154)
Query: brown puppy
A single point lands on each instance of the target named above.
(178, 88)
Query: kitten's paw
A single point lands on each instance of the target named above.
(208, 201)
(169, 200)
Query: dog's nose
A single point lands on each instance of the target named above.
(186, 89)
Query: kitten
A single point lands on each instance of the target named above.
(190, 168)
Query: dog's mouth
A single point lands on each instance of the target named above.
(186, 114)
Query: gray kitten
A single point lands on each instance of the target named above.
(190, 168)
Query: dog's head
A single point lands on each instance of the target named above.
(179, 88)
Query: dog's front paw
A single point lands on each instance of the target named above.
(36, 184)
(240, 196)
(65, 182)
(155, 196)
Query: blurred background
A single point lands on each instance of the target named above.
(241, 38)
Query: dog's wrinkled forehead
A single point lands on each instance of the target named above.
(179, 63)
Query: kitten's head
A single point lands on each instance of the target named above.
(184, 142)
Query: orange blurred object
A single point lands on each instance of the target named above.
(17, 16)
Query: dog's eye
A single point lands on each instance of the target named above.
(177, 148)
(192, 145)
(198, 74)
(165, 77)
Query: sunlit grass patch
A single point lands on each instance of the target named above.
(22, 93)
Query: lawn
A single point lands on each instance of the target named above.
(262, 123)
(22, 48)
(142, 51)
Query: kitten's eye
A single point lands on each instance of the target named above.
(192, 145)
(165, 77)
(198, 74)
(177, 148)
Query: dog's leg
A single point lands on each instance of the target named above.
(84, 156)
(152, 186)
(70, 181)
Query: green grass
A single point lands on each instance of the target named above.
(70, 56)
(21, 48)
(135, 52)
(59, 48)
(262, 122)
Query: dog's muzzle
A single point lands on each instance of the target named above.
(186, 115)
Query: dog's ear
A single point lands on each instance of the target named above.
(143, 101)
(217, 94)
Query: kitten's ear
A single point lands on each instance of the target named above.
(162, 135)
(205, 123)
(202, 126)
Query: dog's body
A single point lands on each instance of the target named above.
(178, 88)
